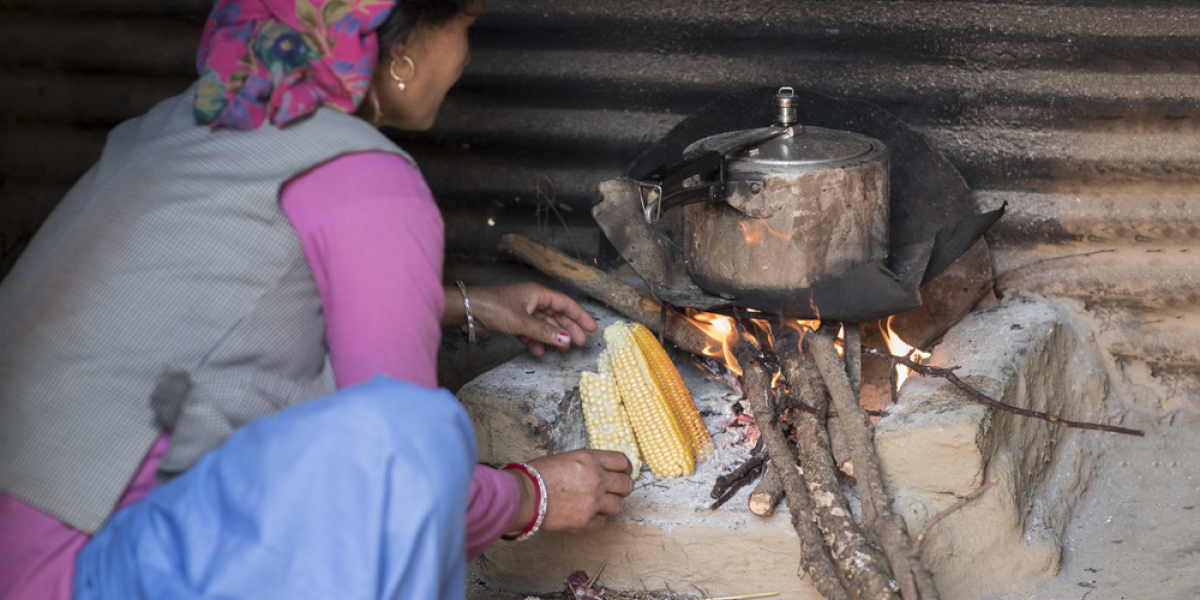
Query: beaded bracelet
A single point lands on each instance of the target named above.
(539, 515)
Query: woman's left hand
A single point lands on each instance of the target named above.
(535, 314)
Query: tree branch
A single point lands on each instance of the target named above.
(978, 396)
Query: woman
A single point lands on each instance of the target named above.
(194, 280)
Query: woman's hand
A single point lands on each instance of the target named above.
(583, 487)
(535, 314)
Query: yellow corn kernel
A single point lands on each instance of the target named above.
(608, 426)
(673, 389)
(660, 438)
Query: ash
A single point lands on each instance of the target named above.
(718, 397)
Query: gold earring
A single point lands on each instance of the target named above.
(400, 81)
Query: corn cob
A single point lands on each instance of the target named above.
(671, 385)
(608, 426)
(662, 441)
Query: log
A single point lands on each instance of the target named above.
(863, 566)
(767, 493)
(914, 579)
(607, 288)
(814, 558)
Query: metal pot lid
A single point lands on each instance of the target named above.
(787, 146)
(808, 147)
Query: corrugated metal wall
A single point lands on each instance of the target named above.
(1082, 115)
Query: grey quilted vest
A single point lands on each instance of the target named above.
(168, 276)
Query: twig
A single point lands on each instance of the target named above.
(736, 487)
(948, 374)
(745, 596)
(724, 482)
(1046, 260)
(549, 198)
(979, 491)
(598, 572)
(853, 355)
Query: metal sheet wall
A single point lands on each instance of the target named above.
(1082, 115)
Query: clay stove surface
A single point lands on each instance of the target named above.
(1130, 531)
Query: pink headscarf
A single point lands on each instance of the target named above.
(282, 59)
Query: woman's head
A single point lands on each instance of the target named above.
(422, 52)
(279, 60)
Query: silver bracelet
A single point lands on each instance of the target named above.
(470, 316)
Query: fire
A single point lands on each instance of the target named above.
(899, 347)
(723, 332)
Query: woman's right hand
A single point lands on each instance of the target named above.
(584, 488)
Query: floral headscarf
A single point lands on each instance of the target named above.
(279, 60)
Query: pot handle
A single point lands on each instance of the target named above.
(662, 189)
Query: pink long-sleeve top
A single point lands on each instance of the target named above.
(372, 234)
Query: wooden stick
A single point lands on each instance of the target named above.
(724, 482)
(978, 396)
(814, 558)
(852, 351)
(863, 566)
(853, 423)
(914, 579)
(610, 290)
(767, 493)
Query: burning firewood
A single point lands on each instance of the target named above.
(814, 557)
(606, 288)
(861, 564)
(914, 578)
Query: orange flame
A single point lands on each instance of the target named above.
(899, 347)
(722, 331)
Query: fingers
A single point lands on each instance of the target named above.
(535, 347)
(574, 332)
(615, 461)
(544, 316)
(555, 302)
(565, 311)
(611, 505)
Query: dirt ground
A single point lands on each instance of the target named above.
(1135, 534)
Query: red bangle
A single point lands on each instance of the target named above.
(539, 513)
